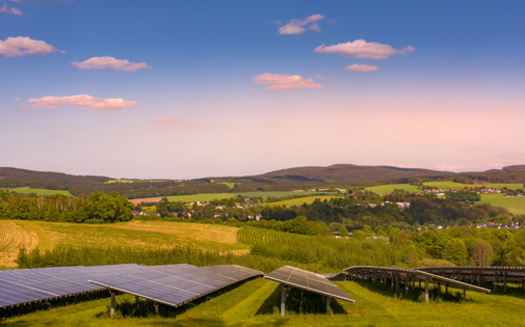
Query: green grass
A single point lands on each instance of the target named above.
(205, 197)
(515, 204)
(39, 191)
(230, 185)
(383, 189)
(459, 186)
(301, 201)
(124, 181)
(255, 303)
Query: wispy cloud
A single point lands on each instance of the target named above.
(363, 50)
(107, 62)
(362, 68)
(12, 11)
(502, 109)
(22, 45)
(81, 100)
(284, 82)
(296, 26)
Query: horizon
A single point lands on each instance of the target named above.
(182, 90)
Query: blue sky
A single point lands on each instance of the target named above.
(185, 89)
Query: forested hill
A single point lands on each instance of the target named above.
(343, 172)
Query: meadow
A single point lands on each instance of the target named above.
(130, 235)
(389, 188)
(460, 186)
(38, 191)
(514, 204)
(301, 201)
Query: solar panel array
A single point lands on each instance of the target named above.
(175, 285)
(308, 281)
(30, 285)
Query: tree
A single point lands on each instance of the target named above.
(482, 253)
(342, 231)
(455, 251)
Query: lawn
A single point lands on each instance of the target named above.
(255, 303)
(515, 204)
(39, 191)
(389, 188)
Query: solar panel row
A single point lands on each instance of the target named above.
(308, 281)
(176, 284)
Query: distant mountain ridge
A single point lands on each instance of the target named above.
(341, 172)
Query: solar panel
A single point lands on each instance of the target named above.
(308, 281)
(175, 285)
(30, 285)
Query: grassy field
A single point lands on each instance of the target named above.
(459, 186)
(205, 197)
(255, 303)
(38, 191)
(383, 189)
(134, 234)
(301, 201)
(14, 236)
(515, 205)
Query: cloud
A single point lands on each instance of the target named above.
(21, 45)
(107, 62)
(81, 100)
(364, 50)
(11, 11)
(284, 82)
(502, 109)
(362, 68)
(296, 26)
(17, 99)
(166, 120)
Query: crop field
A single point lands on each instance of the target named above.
(389, 188)
(133, 235)
(301, 201)
(39, 191)
(205, 197)
(459, 186)
(258, 236)
(515, 204)
(14, 236)
(255, 303)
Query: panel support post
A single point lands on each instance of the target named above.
(464, 294)
(328, 304)
(446, 288)
(426, 290)
(407, 282)
(136, 299)
(284, 295)
(156, 308)
(505, 282)
(495, 281)
(112, 310)
(397, 282)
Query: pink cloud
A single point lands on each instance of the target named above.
(284, 82)
(107, 62)
(167, 120)
(296, 26)
(17, 99)
(363, 50)
(502, 109)
(362, 68)
(21, 45)
(81, 100)
(11, 11)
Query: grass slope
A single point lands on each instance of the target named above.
(515, 204)
(255, 303)
(459, 186)
(301, 201)
(38, 191)
(389, 188)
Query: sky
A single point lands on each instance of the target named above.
(189, 89)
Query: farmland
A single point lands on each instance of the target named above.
(389, 188)
(301, 201)
(14, 236)
(515, 204)
(38, 191)
(131, 235)
(459, 186)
